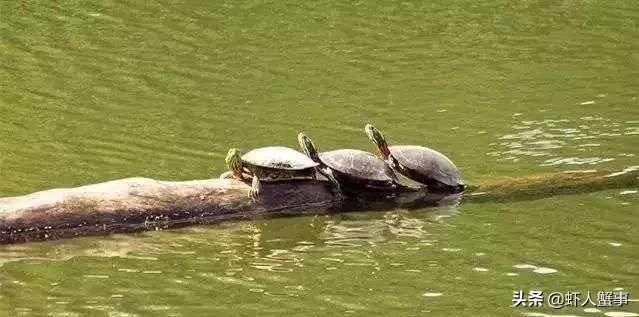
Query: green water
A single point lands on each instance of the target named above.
(93, 92)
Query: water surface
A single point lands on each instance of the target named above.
(93, 92)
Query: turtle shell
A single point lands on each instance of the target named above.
(358, 165)
(278, 157)
(426, 165)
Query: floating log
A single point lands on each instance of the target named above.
(553, 184)
(136, 204)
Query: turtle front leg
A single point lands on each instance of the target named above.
(392, 162)
(227, 175)
(335, 186)
(239, 176)
(254, 192)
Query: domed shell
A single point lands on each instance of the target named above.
(427, 162)
(278, 157)
(358, 164)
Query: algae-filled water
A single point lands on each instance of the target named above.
(92, 92)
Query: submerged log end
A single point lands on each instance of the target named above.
(551, 184)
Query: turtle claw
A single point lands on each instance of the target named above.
(254, 197)
(254, 192)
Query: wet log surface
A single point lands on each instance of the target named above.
(136, 204)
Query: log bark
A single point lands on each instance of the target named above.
(136, 204)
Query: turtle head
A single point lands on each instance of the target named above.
(308, 147)
(378, 138)
(234, 161)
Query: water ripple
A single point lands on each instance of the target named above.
(559, 139)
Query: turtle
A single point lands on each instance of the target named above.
(355, 167)
(268, 164)
(419, 163)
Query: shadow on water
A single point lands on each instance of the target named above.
(380, 201)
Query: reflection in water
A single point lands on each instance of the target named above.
(260, 244)
(299, 258)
